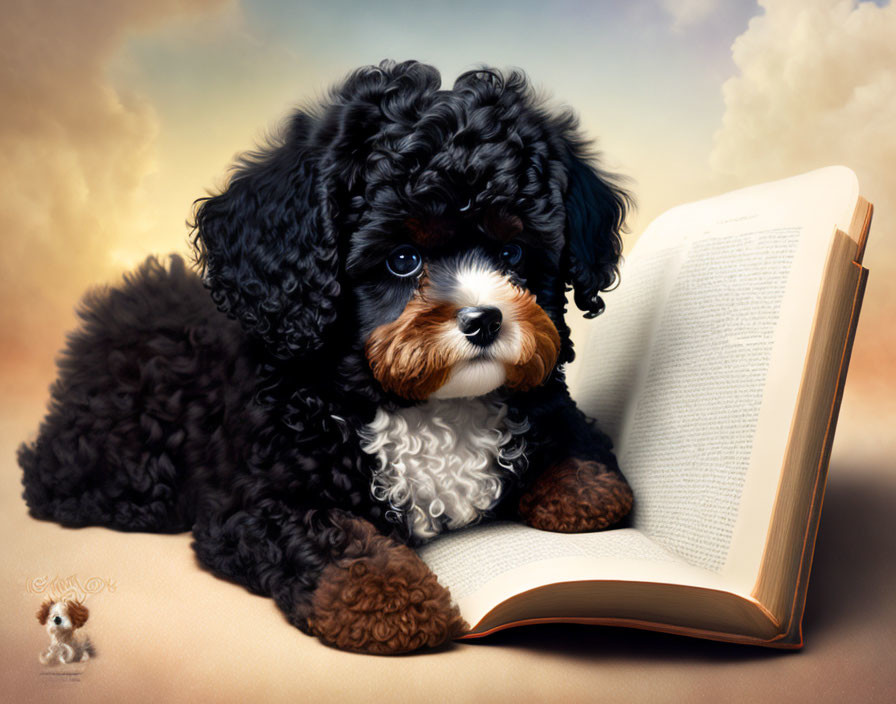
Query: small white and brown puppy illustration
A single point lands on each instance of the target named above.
(62, 619)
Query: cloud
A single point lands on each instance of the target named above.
(817, 86)
(73, 154)
(688, 12)
(816, 83)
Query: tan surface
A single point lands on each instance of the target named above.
(172, 632)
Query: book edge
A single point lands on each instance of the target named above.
(779, 641)
(860, 226)
(858, 231)
(798, 605)
(774, 625)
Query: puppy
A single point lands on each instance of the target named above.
(62, 619)
(372, 353)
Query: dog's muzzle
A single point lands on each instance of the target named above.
(467, 330)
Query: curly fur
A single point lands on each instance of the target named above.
(575, 496)
(382, 598)
(234, 403)
(444, 459)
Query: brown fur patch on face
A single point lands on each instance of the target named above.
(413, 355)
(540, 345)
(575, 496)
(43, 613)
(406, 356)
(428, 233)
(385, 600)
(503, 226)
(77, 612)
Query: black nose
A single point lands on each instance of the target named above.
(57, 620)
(481, 324)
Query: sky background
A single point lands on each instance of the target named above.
(117, 115)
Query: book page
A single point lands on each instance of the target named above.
(486, 564)
(695, 374)
(706, 385)
(622, 335)
(470, 559)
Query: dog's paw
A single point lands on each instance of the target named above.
(389, 602)
(575, 496)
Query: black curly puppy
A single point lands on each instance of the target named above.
(397, 263)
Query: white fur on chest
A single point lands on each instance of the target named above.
(440, 462)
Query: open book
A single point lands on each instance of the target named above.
(718, 370)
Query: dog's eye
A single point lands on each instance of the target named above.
(511, 254)
(404, 261)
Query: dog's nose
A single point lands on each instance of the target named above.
(480, 324)
(57, 620)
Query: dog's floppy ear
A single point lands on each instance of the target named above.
(77, 613)
(596, 207)
(43, 613)
(266, 246)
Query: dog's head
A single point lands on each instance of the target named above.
(61, 616)
(436, 230)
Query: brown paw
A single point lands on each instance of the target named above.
(388, 602)
(575, 496)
